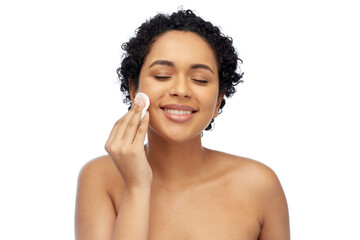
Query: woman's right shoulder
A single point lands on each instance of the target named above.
(100, 171)
(99, 192)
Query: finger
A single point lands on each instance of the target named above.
(119, 127)
(127, 118)
(142, 130)
(133, 124)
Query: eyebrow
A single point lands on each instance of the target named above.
(171, 64)
(203, 66)
(162, 62)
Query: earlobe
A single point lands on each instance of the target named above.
(218, 104)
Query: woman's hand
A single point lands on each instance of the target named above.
(125, 147)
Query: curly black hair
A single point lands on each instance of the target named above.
(140, 45)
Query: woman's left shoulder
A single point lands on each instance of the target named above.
(249, 170)
(257, 187)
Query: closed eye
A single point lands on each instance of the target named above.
(162, 77)
(199, 81)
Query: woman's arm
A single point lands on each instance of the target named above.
(275, 225)
(95, 213)
(96, 216)
(133, 218)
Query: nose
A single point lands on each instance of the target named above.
(180, 88)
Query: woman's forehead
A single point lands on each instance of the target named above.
(180, 46)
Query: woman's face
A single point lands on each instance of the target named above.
(180, 76)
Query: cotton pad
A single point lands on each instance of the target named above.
(147, 102)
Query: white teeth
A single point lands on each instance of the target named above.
(177, 112)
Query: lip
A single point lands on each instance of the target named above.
(179, 107)
(179, 118)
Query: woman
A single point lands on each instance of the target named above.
(173, 187)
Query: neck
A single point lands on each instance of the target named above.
(176, 164)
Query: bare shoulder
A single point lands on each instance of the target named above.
(101, 173)
(253, 171)
(257, 183)
(250, 176)
(96, 169)
(95, 211)
(100, 163)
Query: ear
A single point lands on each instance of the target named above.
(132, 90)
(218, 104)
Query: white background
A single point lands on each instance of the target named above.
(297, 111)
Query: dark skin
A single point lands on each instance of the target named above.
(174, 188)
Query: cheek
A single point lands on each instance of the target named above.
(151, 89)
(210, 99)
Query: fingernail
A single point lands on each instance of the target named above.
(140, 102)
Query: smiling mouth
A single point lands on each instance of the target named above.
(178, 112)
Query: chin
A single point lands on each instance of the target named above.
(176, 135)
